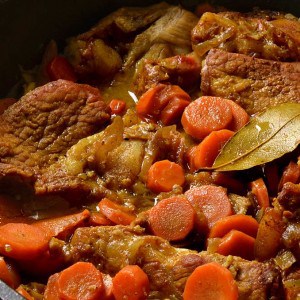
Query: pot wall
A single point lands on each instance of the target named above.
(25, 26)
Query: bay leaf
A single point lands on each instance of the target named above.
(266, 137)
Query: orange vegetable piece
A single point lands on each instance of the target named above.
(243, 223)
(60, 68)
(269, 235)
(163, 175)
(19, 240)
(64, 226)
(239, 116)
(228, 181)
(117, 106)
(204, 115)
(212, 200)
(98, 219)
(172, 113)
(149, 106)
(51, 290)
(172, 218)
(108, 288)
(260, 191)
(154, 100)
(237, 243)
(115, 212)
(80, 281)
(211, 281)
(8, 274)
(131, 282)
(204, 154)
(24, 293)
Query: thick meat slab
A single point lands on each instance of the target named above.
(111, 248)
(97, 162)
(45, 123)
(253, 83)
(264, 34)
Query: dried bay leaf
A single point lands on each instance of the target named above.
(266, 137)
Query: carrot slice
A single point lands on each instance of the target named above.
(239, 116)
(172, 218)
(204, 154)
(163, 175)
(98, 219)
(211, 281)
(24, 293)
(117, 106)
(131, 282)
(64, 226)
(154, 100)
(237, 243)
(243, 223)
(260, 191)
(108, 288)
(172, 113)
(204, 115)
(19, 240)
(8, 274)
(60, 68)
(81, 281)
(148, 106)
(212, 200)
(51, 291)
(115, 212)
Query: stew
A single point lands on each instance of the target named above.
(156, 156)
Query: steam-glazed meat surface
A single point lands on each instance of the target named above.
(253, 83)
(45, 123)
(264, 34)
(167, 267)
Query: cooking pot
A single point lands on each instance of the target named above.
(26, 26)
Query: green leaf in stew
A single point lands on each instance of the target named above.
(266, 137)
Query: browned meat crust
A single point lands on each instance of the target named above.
(45, 123)
(254, 84)
(182, 70)
(111, 248)
(289, 196)
(269, 35)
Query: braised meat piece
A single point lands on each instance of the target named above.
(125, 20)
(45, 123)
(182, 70)
(96, 166)
(268, 35)
(96, 55)
(289, 196)
(127, 37)
(255, 84)
(173, 28)
(111, 248)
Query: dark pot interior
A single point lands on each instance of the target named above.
(25, 26)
